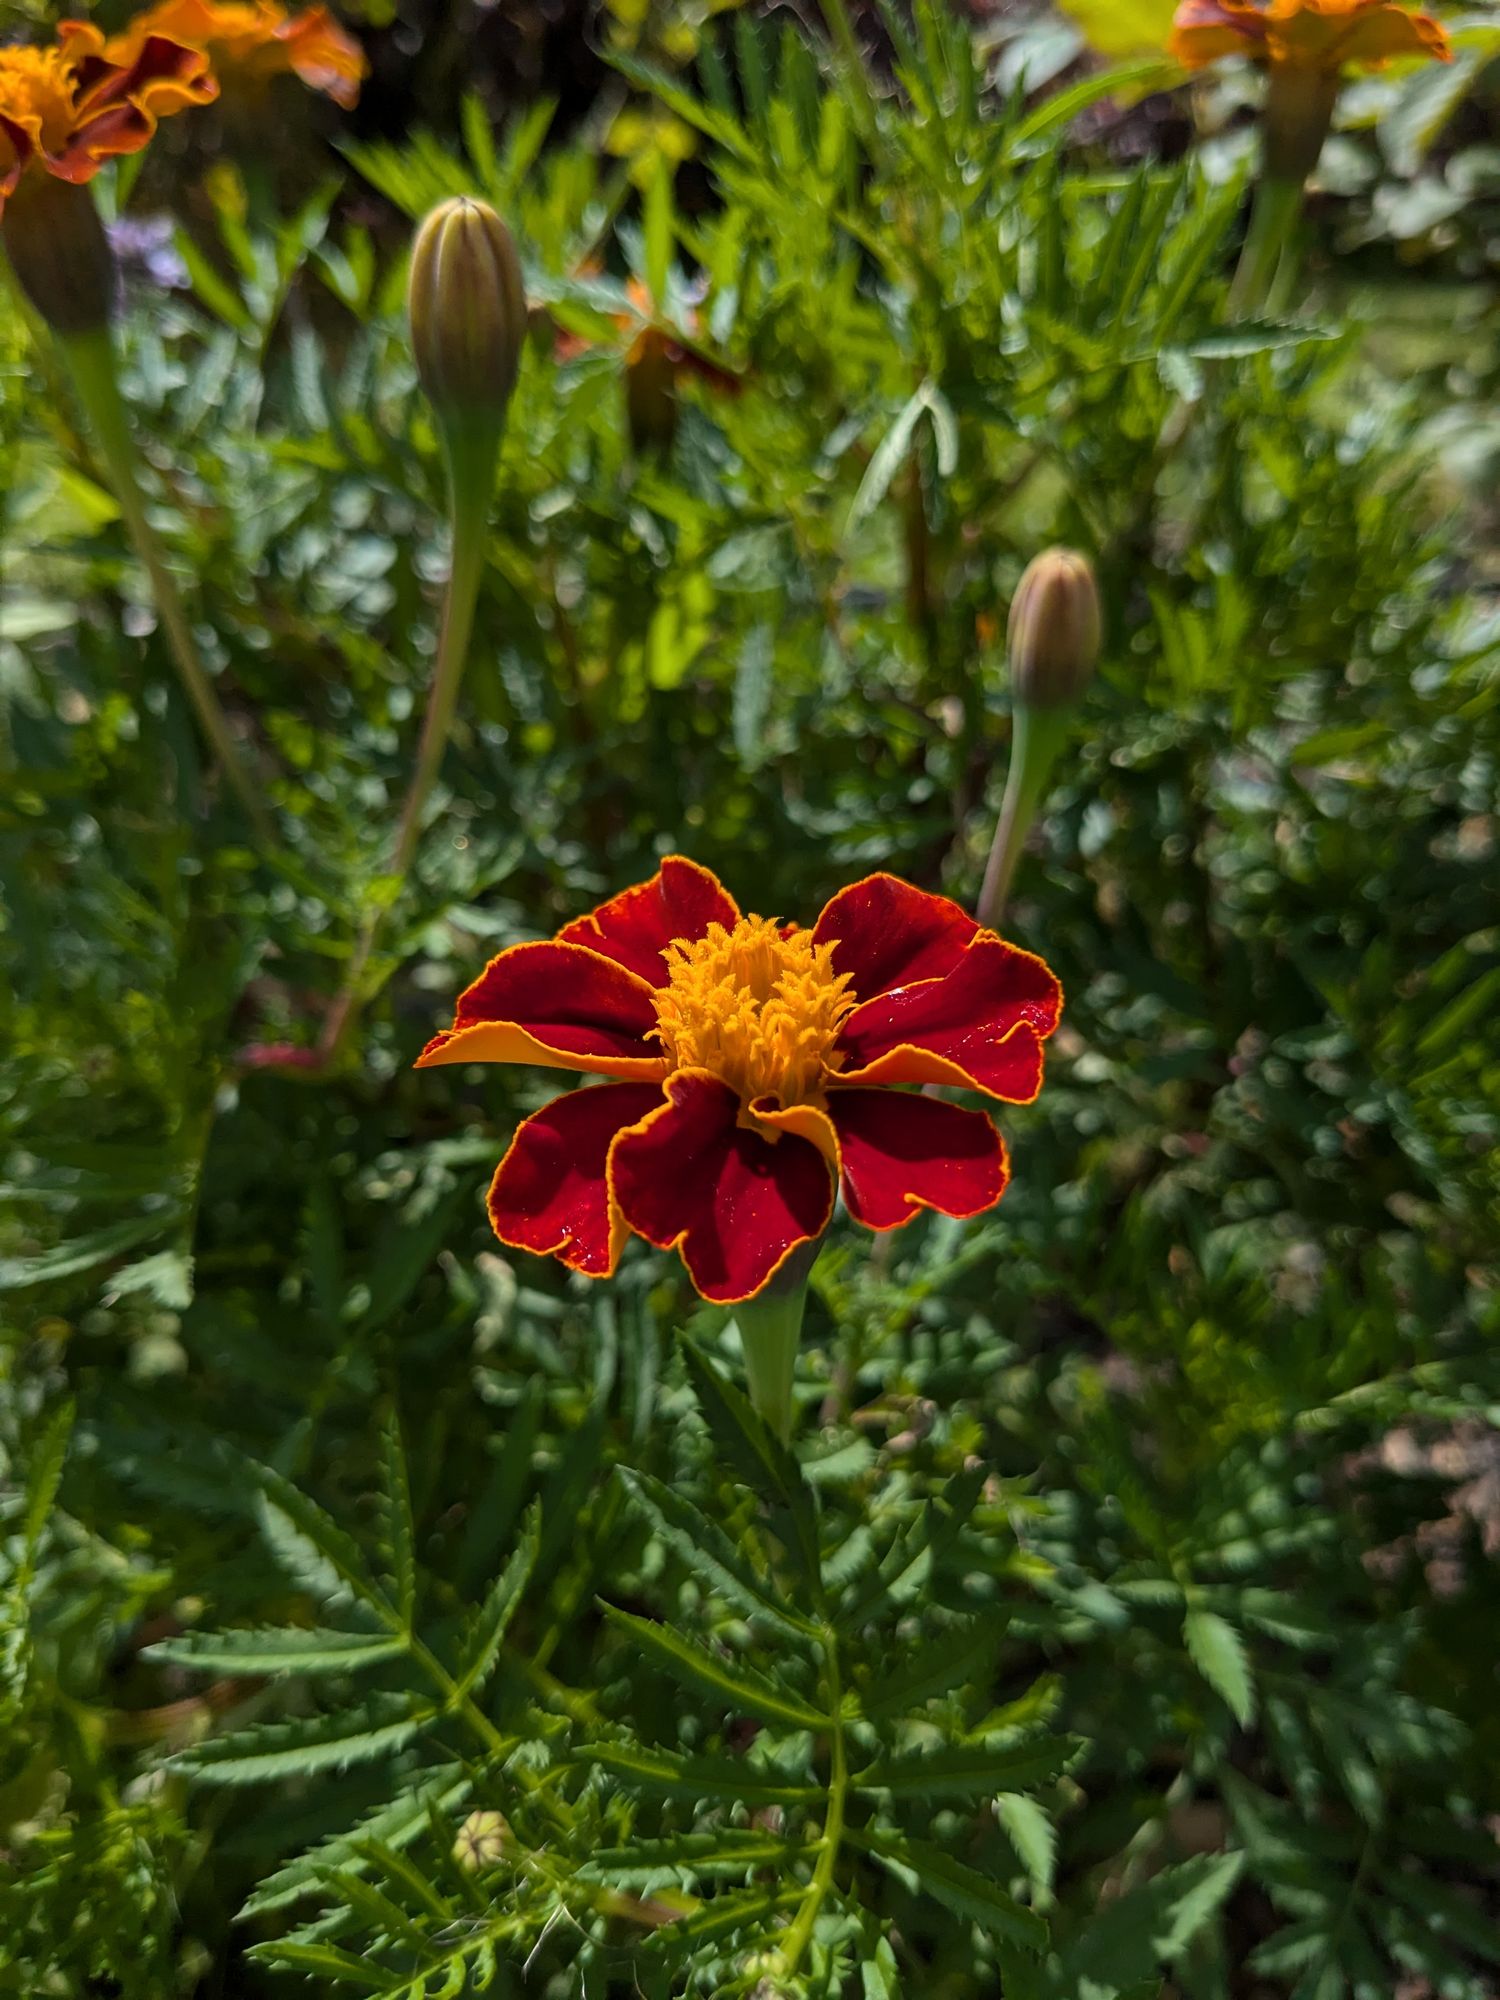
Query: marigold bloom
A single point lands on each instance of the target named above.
(255, 39)
(68, 107)
(1320, 35)
(752, 1067)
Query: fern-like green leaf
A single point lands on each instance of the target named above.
(298, 1749)
(711, 1556)
(277, 1650)
(484, 1641)
(741, 1690)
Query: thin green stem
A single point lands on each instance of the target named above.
(470, 451)
(800, 1934)
(471, 476)
(91, 361)
(1268, 242)
(1039, 735)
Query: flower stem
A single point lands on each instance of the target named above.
(1039, 734)
(91, 362)
(470, 452)
(770, 1327)
(1268, 245)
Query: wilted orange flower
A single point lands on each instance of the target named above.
(255, 39)
(1321, 35)
(68, 107)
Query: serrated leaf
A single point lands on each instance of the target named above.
(741, 1690)
(277, 1650)
(326, 1961)
(485, 1638)
(311, 1547)
(762, 1461)
(710, 1555)
(958, 1888)
(1032, 1835)
(390, 1826)
(728, 1850)
(947, 1660)
(1218, 1652)
(400, 1531)
(717, 1778)
(296, 1749)
(967, 1771)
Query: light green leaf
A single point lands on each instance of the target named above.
(1218, 1652)
(1032, 1835)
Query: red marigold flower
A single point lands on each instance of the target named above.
(1321, 35)
(253, 39)
(754, 1065)
(68, 107)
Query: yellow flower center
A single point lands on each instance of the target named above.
(757, 1008)
(37, 92)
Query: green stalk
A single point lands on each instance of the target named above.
(1039, 734)
(91, 361)
(770, 1327)
(1269, 243)
(469, 447)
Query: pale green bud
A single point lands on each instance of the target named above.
(481, 1842)
(467, 303)
(1055, 630)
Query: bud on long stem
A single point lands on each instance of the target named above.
(1055, 630)
(467, 303)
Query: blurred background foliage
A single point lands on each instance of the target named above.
(1224, 1358)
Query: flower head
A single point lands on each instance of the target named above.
(754, 1067)
(250, 40)
(68, 107)
(1321, 35)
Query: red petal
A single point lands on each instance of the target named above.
(690, 1177)
(550, 1194)
(903, 1153)
(982, 1027)
(558, 1006)
(160, 66)
(890, 934)
(634, 928)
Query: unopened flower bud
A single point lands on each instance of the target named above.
(60, 253)
(467, 302)
(481, 1842)
(1055, 628)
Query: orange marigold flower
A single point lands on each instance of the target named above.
(255, 39)
(1321, 35)
(756, 1067)
(68, 107)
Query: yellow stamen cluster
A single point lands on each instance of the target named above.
(37, 92)
(759, 1009)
